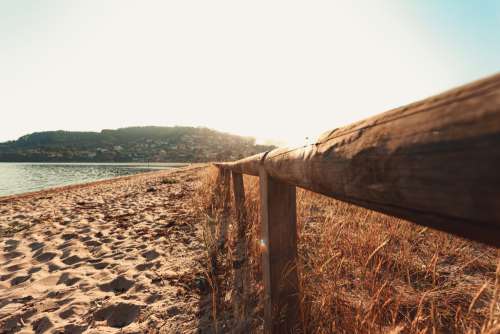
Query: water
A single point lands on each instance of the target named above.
(17, 178)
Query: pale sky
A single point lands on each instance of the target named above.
(279, 70)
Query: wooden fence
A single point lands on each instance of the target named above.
(435, 163)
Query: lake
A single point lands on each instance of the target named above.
(17, 178)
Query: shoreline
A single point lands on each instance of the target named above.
(48, 191)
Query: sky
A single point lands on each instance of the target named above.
(275, 70)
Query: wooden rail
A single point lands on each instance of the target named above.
(435, 163)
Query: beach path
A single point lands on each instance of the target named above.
(120, 256)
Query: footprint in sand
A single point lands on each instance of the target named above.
(53, 267)
(15, 267)
(73, 310)
(66, 244)
(69, 236)
(117, 243)
(73, 329)
(85, 230)
(145, 266)
(58, 294)
(36, 246)
(118, 256)
(92, 243)
(72, 260)
(68, 279)
(150, 255)
(45, 257)
(152, 298)
(12, 255)
(6, 277)
(101, 265)
(12, 242)
(84, 239)
(11, 324)
(19, 279)
(118, 315)
(107, 240)
(119, 285)
(34, 270)
(10, 248)
(42, 325)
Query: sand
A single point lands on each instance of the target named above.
(120, 256)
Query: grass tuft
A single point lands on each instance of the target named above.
(359, 271)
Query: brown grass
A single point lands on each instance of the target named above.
(360, 271)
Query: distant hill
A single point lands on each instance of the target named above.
(141, 144)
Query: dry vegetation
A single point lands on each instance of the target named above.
(360, 271)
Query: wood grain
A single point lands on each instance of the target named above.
(240, 261)
(224, 185)
(435, 162)
(279, 256)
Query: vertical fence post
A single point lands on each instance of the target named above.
(240, 263)
(279, 255)
(225, 188)
(239, 201)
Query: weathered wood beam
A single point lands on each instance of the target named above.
(249, 165)
(435, 162)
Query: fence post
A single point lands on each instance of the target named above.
(240, 263)
(279, 255)
(225, 188)
(239, 201)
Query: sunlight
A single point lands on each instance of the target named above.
(280, 71)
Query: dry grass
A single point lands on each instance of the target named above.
(360, 271)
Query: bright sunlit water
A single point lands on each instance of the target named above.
(16, 178)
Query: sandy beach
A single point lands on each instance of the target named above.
(123, 255)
